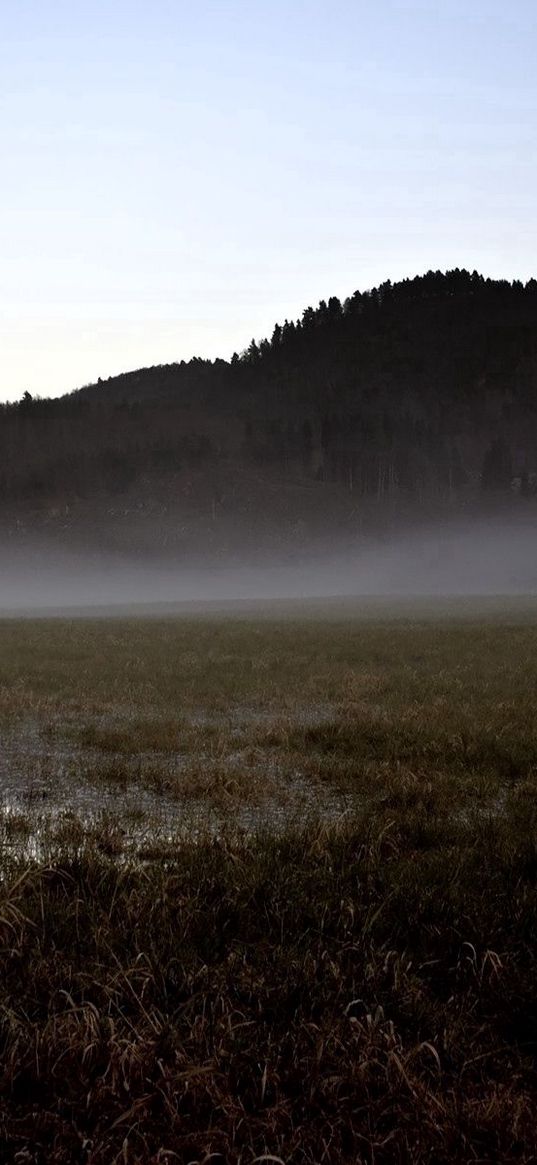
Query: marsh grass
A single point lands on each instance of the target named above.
(353, 992)
(350, 979)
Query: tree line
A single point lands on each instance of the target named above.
(425, 388)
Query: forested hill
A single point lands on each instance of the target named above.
(412, 395)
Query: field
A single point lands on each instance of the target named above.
(269, 886)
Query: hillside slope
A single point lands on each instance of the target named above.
(412, 400)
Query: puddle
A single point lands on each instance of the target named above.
(47, 794)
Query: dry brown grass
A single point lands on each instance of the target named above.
(351, 990)
(354, 993)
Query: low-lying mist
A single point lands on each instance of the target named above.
(463, 558)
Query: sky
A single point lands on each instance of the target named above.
(177, 177)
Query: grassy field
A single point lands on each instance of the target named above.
(269, 887)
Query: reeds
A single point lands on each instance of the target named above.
(354, 992)
(359, 987)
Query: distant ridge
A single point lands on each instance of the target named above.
(415, 397)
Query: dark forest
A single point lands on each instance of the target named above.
(413, 395)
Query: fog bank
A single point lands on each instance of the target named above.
(463, 558)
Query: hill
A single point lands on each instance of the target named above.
(410, 400)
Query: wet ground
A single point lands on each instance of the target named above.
(51, 784)
(136, 730)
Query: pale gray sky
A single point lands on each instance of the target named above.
(176, 177)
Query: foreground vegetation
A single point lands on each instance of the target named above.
(354, 986)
